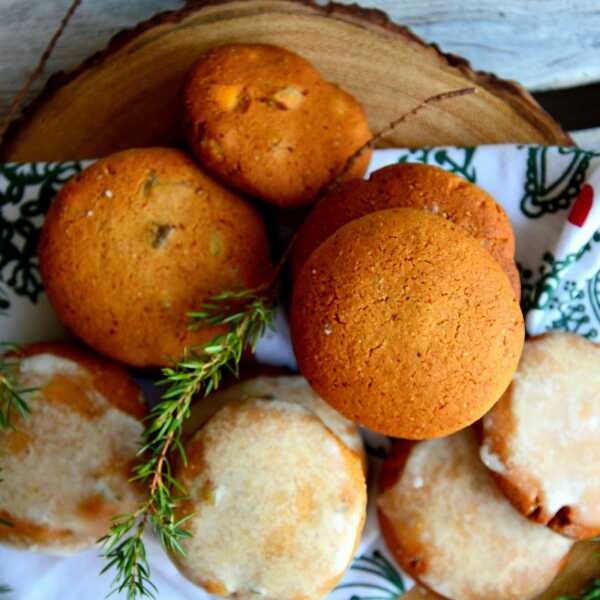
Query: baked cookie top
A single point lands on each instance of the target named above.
(542, 440)
(136, 241)
(449, 526)
(66, 467)
(405, 324)
(413, 186)
(263, 120)
(278, 500)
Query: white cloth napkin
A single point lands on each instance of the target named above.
(552, 197)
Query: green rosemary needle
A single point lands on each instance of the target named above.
(246, 314)
(12, 394)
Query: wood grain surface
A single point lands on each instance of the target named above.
(128, 95)
(513, 39)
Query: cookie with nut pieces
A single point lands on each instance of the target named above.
(136, 241)
(264, 120)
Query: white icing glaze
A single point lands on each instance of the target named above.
(555, 410)
(279, 500)
(291, 388)
(64, 458)
(490, 460)
(42, 367)
(473, 544)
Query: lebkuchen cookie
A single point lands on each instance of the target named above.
(405, 324)
(278, 500)
(66, 466)
(542, 440)
(449, 526)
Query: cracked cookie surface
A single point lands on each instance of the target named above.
(413, 186)
(405, 324)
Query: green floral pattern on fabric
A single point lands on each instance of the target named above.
(571, 311)
(441, 158)
(544, 196)
(593, 290)
(25, 194)
(385, 582)
(550, 272)
(572, 306)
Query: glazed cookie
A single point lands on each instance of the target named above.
(289, 388)
(413, 186)
(542, 440)
(449, 527)
(136, 241)
(264, 120)
(278, 500)
(405, 324)
(66, 467)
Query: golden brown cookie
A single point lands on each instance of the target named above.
(405, 324)
(542, 440)
(66, 467)
(448, 525)
(136, 241)
(263, 120)
(413, 186)
(278, 499)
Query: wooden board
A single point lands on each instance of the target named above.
(128, 95)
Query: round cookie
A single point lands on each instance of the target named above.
(413, 186)
(542, 439)
(449, 527)
(278, 500)
(136, 241)
(289, 388)
(262, 119)
(66, 467)
(405, 324)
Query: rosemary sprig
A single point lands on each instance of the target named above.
(12, 394)
(247, 314)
